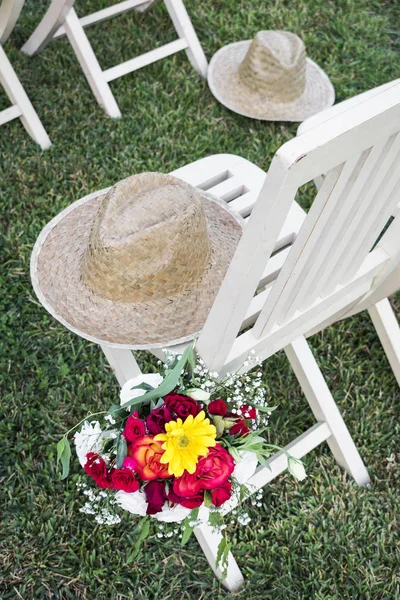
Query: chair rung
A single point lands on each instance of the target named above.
(104, 14)
(145, 59)
(9, 114)
(301, 446)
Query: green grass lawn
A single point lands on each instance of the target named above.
(320, 539)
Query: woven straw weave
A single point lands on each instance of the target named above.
(269, 78)
(275, 65)
(76, 240)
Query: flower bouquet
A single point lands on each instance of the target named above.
(177, 448)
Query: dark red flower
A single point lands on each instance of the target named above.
(239, 428)
(155, 496)
(134, 428)
(193, 502)
(124, 479)
(221, 494)
(157, 418)
(217, 407)
(96, 467)
(248, 412)
(182, 406)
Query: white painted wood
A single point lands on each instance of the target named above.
(209, 541)
(104, 14)
(44, 32)
(185, 30)
(90, 65)
(122, 362)
(9, 13)
(277, 464)
(8, 114)
(144, 59)
(61, 19)
(324, 408)
(18, 97)
(388, 330)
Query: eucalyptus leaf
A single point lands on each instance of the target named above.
(188, 530)
(144, 532)
(122, 451)
(167, 385)
(64, 456)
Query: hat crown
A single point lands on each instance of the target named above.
(149, 240)
(275, 65)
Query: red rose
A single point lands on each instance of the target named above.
(182, 406)
(217, 407)
(146, 454)
(212, 471)
(155, 496)
(124, 479)
(96, 467)
(248, 412)
(221, 494)
(134, 428)
(193, 502)
(239, 428)
(157, 418)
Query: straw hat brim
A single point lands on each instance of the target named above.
(56, 277)
(226, 86)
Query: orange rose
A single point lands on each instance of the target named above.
(146, 454)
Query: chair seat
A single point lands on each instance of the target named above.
(238, 182)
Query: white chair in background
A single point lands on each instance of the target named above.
(21, 105)
(61, 19)
(293, 272)
(377, 302)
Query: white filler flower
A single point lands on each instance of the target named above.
(153, 379)
(88, 439)
(296, 468)
(134, 502)
(246, 467)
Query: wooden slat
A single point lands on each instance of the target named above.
(104, 14)
(144, 59)
(277, 464)
(296, 259)
(8, 114)
(343, 227)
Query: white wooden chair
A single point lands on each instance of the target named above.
(293, 272)
(61, 19)
(377, 302)
(21, 105)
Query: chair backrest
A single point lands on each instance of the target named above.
(335, 258)
(9, 13)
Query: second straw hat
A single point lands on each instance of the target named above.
(270, 78)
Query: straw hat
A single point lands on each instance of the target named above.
(138, 267)
(270, 78)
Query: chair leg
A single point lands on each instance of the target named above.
(324, 408)
(209, 541)
(185, 29)
(122, 362)
(388, 330)
(90, 65)
(18, 96)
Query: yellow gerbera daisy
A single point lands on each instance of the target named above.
(184, 441)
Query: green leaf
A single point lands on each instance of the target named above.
(64, 456)
(224, 547)
(168, 384)
(207, 499)
(117, 412)
(187, 532)
(122, 451)
(144, 532)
